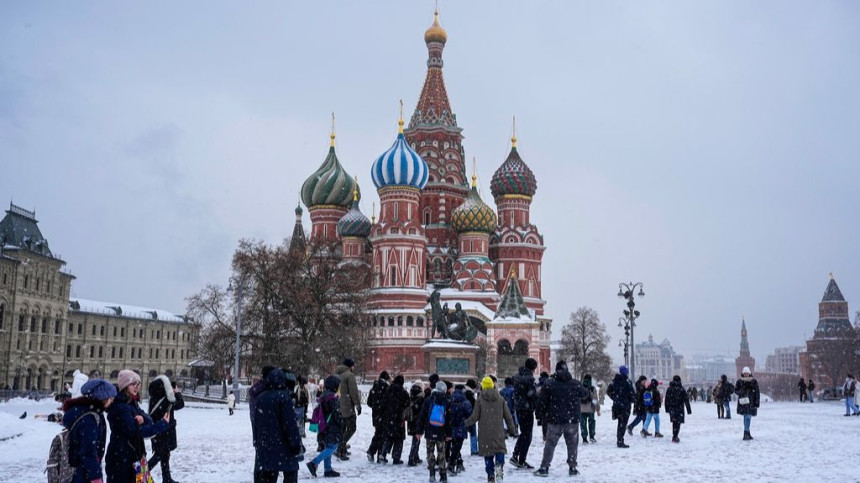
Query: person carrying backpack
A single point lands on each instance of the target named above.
(435, 421)
(330, 423)
(676, 402)
(461, 409)
(491, 414)
(376, 401)
(86, 432)
(129, 425)
(652, 401)
(164, 398)
(638, 407)
(416, 402)
(525, 401)
(507, 392)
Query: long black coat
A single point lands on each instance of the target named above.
(747, 387)
(656, 400)
(525, 390)
(676, 401)
(126, 437)
(376, 400)
(87, 440)
(726, 389)
(622, 394)
(638, 403)
(278, 439)
(416, 402)
(394, 403)
(561, 397)
(161, 400)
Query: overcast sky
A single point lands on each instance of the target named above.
(707, 149)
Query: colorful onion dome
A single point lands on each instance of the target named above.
(299, 210)
(513, 177)
(474, 214)
(354, 223)
(330, 184)
(435, 33)
(399, 165)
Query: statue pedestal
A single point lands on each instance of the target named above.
(450, 358)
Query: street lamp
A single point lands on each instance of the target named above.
(239, 286)
(622, 322)
(627, 292)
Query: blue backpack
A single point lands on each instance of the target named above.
(437, 415)
(647, 399)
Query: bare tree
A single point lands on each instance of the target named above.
(583, 345)
(211, 308)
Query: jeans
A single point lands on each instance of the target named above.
(413, 451)
(850, 407)
(325, 456)
(490, 463)
(727, 404)
(586, 425)
(811, 399)
(473, 438)
(656, 418)
(348, 431)
(638, 419)
(571, 439)
(747, 421)
(527, 422)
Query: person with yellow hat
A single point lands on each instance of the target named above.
(489, 412)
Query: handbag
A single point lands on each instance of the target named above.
(141, 472)
(744, 400)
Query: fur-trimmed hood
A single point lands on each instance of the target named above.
(160, 387)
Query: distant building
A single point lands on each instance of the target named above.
(45, 335)
(744, 359)
(708, 371)
(785, 360)
(829, 355)
(658, 361)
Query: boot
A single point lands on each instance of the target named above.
(622, 445)
(747, 436)
(675, 439)
(584, 440)
(500, 473)
(592, 440)
(331, 474)
(312, 468)
(443, 476)
(491, 478)
(432, 475)
(370, 458)
(630, 430)
(658, 435)
(645, 433)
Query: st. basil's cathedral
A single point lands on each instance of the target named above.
(436, 235)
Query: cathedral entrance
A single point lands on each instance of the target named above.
(510, 359)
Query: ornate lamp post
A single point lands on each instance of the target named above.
(627, 292)
(622, 322)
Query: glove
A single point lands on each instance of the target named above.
(358, 410)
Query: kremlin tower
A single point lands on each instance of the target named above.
(435, 234)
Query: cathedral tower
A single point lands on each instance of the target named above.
(434, 134)
(474, 221)
(744, 359)
(328, 193)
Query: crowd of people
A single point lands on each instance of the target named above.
(442, 413)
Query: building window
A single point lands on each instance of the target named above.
(94, 330)
(150, 352)
(112, 352)
(21, 323)
(33, 324)
(26, 280)
(158, 335)
(71, 328)
(80, 329)
(393, 276)
(122, 332)
(101, 351)
(182, 354)
(420, 321)
(68, 351)
(426, 217)
(157, 353)
(2, 313)
(114, 331)
(399, 321)
(134, 333)
(102, 331)
(92, 351)
(78, 351)
(38, 283)
(121, 351)
(30, 345)
(44, 325)
(57, 325)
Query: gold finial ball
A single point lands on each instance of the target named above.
(514, 141)
(435, 33)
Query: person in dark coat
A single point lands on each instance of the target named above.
(129, 424)
(507, 392)
(84, 418)
(471, 393)
(436, 434)
(726, 391)
(638, 404)
(394, 405)
(350, 405)
(491, 414)
(560, 401)
(748, 399)
(676, 403)
(332, 435)
(544, 376)
(416, 402)
(164, 398)
(622, 394)
(376, 401)
(302, 396)
(525, 397)
(461, 409)
(278, 440)
(801, 387)
(811, 388)
(652, 401)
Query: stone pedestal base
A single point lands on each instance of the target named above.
(450, 359)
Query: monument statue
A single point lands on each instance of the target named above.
(454, 326)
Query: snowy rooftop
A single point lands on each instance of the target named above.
(467, 305)
(122, 310)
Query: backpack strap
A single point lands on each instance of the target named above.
(156, 406)
(82, 417)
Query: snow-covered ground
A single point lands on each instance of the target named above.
(793, 442)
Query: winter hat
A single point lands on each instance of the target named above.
(509, 381)
(487, 383)
(440, 387)
(746, 370)
(531, 364)
(98, 389)
(474, 384)
(418, 383)
(384, 375)
(266, 371)
(561, 366)
(415, 390)
(434, 378)
(126, 378)
(348, 362)
(624, 370)
(449, 384)
(332, 383)
(654, 383)
(459, 387)
(398, 380)
(676, 378)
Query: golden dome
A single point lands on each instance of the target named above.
(435, 33)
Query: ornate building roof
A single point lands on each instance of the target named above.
(435, 33)
(298, 241)
(399, 165)
(354, 223)
(20, 229)
(433, 107)
(832, 292)
(474, 214)
(512, 305)
(513, 177)
(330, 184)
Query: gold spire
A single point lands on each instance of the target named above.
(474, 172)
(514, 135)
(435, 33)
(373, 213)
(400, 119)
(355, 191)
(332, 130)
(513, 272)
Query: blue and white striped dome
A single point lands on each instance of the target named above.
(399, 166)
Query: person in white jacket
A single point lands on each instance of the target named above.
(231, 402)
(848, 389)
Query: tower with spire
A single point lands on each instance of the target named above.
(744, 358)
(834, 336)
